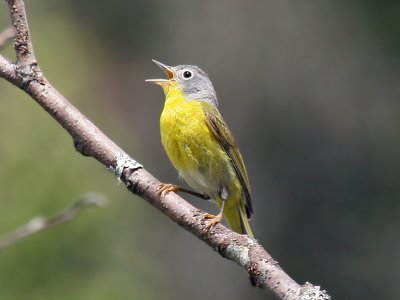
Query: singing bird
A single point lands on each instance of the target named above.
(201, 147)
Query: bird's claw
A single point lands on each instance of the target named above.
(165, 188)
(212, 220)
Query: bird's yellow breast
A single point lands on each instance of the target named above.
(191, 146)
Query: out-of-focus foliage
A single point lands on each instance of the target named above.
(310, 90)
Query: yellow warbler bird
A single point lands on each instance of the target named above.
(201, 147)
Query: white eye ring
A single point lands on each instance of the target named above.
(187, 74)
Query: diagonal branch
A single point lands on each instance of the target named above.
(90, 141)
(8, 71)
(39, 224)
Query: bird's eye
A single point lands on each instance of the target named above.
(187, 74)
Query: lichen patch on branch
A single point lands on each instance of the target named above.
(123, 162)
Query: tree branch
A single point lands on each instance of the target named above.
(8, 71)
(39, 224)
(90, 141)
(23, 45)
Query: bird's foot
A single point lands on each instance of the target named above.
(165, 188)
(212, 220)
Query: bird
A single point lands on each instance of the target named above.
(201, 147)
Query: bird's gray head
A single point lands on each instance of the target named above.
(194, 82)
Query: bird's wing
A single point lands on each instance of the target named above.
(225, 138)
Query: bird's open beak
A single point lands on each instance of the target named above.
(167, 69)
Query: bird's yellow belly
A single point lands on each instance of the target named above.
(193, 150)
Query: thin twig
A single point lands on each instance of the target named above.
(90, 141)
(6, 36)
(39, 224)
(23, 44)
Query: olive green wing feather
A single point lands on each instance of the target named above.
(225, 138)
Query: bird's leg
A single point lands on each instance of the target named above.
(165, 188)
(214, 220)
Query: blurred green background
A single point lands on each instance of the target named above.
(311, 92)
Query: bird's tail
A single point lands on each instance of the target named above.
(237, 220)
(246, 228)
